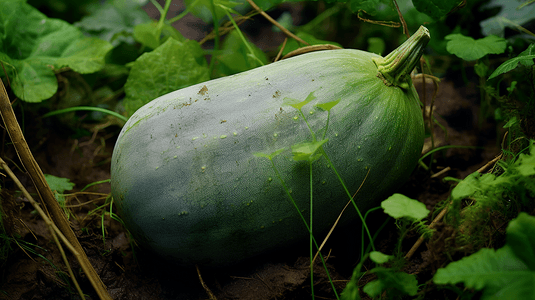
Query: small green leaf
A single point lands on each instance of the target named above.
(327, 106)
(469, 49)
(401, 206)
(306, 150)
(298, 104)
(380, 258)
(59, 184)
(481, 69)
(172, 66)
(271, 155)
(512, 122)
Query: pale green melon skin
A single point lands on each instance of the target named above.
(188, 185)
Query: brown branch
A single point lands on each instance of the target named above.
(38, 179)
(312, 48)
(405, 28)
(282, 49)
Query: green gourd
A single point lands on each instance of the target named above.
(188, 179)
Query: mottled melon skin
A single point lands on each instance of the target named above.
(189, 187)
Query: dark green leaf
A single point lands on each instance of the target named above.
(436, 8)
(203, 8)
(512, 63)
(389, 279)
(172, 66)
(483, 268)
(114, 18)
(234, 56)
(33, 46)
(521, 238)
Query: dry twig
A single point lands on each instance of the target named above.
(56, 214)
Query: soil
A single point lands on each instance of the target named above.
(132, 273)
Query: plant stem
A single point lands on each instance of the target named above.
(90, 108)
(251, 52)
(184, 13)
(311, 235)
(217, 37)
(163, 15)
(395, 68)
(350, 197)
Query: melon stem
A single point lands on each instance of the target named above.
(395, 68)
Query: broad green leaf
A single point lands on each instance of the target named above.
(436, 8)
(112, 19)
(511, 15)
(298, 104)
(172, 66)
(380, 258)
(59, 184)
(400, 206)
(34, 46)
(521, 238)
(292, 44)
(306, 150)
(524, 58)
(328, 105)
(526, 163)
(233, 57)
(469, 49)
(495, 271)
